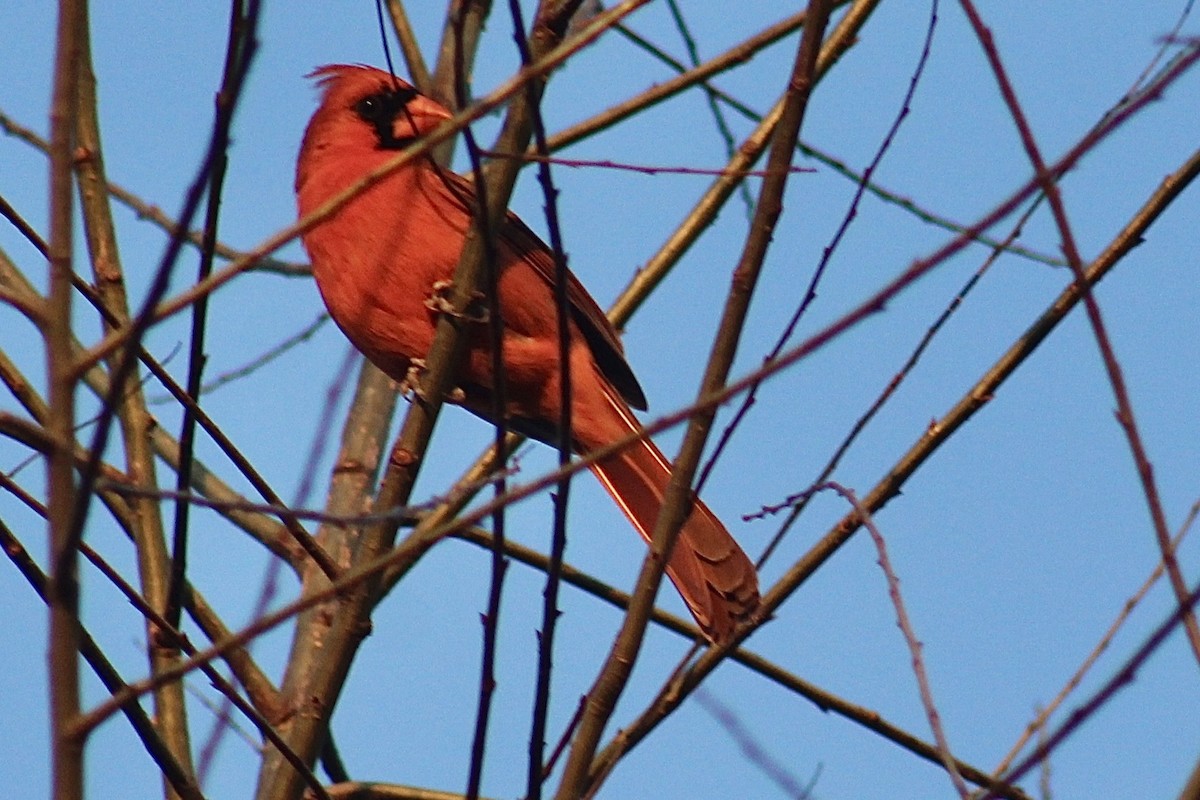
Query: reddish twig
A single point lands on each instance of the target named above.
(1047, 179)
(644, 169)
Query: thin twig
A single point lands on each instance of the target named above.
(258, 362)
(1038, 724)
(851, 214)
(538, 768)
(910, 638)
(644, 169)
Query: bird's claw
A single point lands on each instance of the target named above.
(439, 302)
(410, 387)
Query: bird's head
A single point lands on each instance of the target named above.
(365, 110)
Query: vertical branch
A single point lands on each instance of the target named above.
(413, 59)
(495, 322)
(541, 704)
(613, 676)
(235, 52)
(63, 587)
(136, 423)
(456, 58)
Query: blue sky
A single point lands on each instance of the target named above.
(1017, 544)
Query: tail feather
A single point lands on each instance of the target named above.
(713, 574)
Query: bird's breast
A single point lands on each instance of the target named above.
(378, 259)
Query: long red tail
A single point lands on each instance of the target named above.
(713, 574)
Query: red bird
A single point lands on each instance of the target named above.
(379, 260)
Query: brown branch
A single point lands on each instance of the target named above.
(373, 790)
(171, 635)
(417, 70)
(62, 588)
(614, 674)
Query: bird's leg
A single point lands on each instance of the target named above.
(439, 302)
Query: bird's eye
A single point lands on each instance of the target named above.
(381, 107)
(381, 110)
(370, 108)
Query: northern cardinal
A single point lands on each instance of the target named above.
(379, 260)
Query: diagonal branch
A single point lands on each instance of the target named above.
(614, 674)
(1125, 415)
(672, 695)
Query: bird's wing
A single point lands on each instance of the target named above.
(597, 331)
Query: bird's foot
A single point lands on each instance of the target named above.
(411, 389)
(439, 301)
(411, 385)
